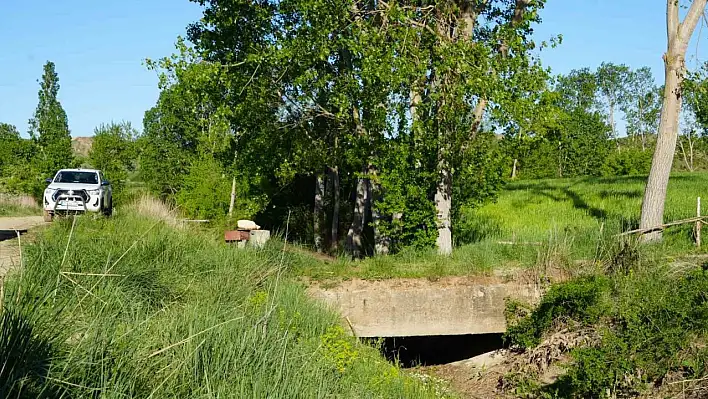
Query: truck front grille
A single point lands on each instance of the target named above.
(80, 193)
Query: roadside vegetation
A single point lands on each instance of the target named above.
(132, 307)
(637, 328)
(18, 205)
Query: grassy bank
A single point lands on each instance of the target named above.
(638, 330)
(134, 308)
(17, 208)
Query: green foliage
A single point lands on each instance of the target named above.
(113, 152)
(649, 321)
(49, 126)
(629, 161)
(206, 193)
(307, 86)
(177, 315)
(583, 300)
(573, 143)
(17, 172)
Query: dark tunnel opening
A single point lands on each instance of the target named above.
(437, 349)
(10, 234)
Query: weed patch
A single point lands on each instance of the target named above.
(650, 322)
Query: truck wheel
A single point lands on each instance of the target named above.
(48, 216)
(108, 210)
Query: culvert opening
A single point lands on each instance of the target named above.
(434, 350)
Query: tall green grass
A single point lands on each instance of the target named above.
(131, 307)
(583, 211)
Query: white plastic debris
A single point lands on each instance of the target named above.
(247, 225)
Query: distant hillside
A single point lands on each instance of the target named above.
(81, 145)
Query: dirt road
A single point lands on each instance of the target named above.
(9, 248)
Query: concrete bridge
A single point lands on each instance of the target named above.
(418, 307)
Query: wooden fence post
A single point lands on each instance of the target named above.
(699, 223)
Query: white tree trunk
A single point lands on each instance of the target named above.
(513, 169)
(233, 197)
(317, 212)
(354, 235)
(334, 233)
(678, 35)
(443, 206)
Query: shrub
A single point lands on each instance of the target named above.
(582, 300)
(649, 323)
(627, 161)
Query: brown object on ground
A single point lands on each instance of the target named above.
(236, 235)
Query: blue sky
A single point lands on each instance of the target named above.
(98, 47)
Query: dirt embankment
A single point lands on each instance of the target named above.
(9, 244)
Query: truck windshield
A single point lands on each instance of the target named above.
(76, 177)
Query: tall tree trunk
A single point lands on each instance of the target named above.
(642, 131)
(317, 212)
(443, 205)
(513, 169)
(382, 242)
(612, 123)
(354, 235)
(233, 197)
(334, 183)
(678, 35)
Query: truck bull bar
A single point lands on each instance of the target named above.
(66, 197)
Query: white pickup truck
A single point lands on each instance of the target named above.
(77, 190)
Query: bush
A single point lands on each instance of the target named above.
(627, 161)
(582, 300)
(650, 324)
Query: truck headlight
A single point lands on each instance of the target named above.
(94, 192)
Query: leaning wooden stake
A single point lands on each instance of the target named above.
(698, 223)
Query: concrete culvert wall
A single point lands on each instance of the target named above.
(418, 307)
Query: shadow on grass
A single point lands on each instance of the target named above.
(628, 194)
(580, 203)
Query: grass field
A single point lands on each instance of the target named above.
(16, 208)
(559, 220)
(131, 307)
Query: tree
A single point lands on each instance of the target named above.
(579, 88)
(113, 152)
(678, 35)
(612, 84)
(49, 127)
(10, 143)
(642, 105)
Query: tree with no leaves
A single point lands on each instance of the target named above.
(678, 35)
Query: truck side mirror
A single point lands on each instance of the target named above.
(48, 180)
(105, 183)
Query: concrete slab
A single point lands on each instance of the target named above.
(410, 307)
